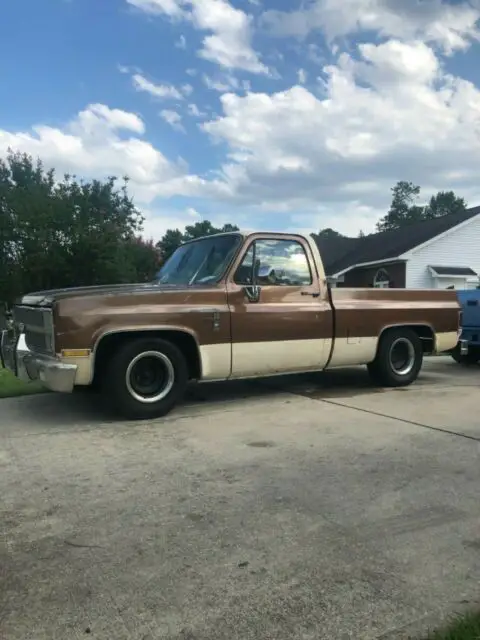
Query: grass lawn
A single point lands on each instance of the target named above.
(460, 628)
(11, 386)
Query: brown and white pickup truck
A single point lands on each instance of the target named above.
(223, 307)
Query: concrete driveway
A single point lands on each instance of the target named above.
(300, 509)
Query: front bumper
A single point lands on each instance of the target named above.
(28, 366)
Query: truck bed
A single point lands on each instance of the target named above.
(361, 315)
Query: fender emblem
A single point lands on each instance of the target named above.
(216, 321)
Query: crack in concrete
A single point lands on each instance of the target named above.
(380, 414)
(405, 420)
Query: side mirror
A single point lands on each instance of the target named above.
(252, 291)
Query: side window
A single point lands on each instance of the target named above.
(277, 262)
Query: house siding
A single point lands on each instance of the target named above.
(459, 248)
(364, 276)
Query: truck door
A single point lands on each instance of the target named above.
(284, 324)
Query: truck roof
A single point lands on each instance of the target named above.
(246, 233)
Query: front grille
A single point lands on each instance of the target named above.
(38, 342)
(31, 317)
(38, 327)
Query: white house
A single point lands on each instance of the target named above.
(440, 253)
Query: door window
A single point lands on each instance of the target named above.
(277, 262)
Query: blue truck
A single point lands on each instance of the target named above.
(467, 350)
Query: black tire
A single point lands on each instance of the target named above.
(122, 388)
(472, 357)
(455, 353)
(399, 358)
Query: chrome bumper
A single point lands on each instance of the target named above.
(28, 366)
(463, 347)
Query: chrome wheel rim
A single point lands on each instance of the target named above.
(150, 377)
(402, 356)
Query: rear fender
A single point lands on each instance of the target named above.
(424, 330)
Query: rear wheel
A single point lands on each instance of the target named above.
(145, 378)
(399, 358)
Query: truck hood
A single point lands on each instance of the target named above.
(49, 297)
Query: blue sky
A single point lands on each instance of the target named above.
(268, 114)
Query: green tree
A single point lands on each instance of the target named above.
(60, 233)
(170, 241)
(198, 230)
(444, 203)
(403, 209)
(329, 233)
(142, 259)
(173, 238)
(205, 228)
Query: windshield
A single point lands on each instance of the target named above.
(201, 262)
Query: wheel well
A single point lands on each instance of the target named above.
(424, 332)
(181, 339)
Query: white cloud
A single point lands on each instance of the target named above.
(350, 220)
(171, 8)
(161, 91)
(302, 76)
(187, 89)
(310, 159)
(229, 30)
(229, 44)
(181, 42)
(94, 144)
(225, 82)
(193, 213)
(98, 117)
(194, 111)
(314, 54)
(173, 118)
(158, 221)
(220, 83)
(393, 114)
(451, 26)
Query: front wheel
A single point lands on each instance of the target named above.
(399, 358)
(145, 378)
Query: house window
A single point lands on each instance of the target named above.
(381, 280)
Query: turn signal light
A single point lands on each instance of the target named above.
(75, 353)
